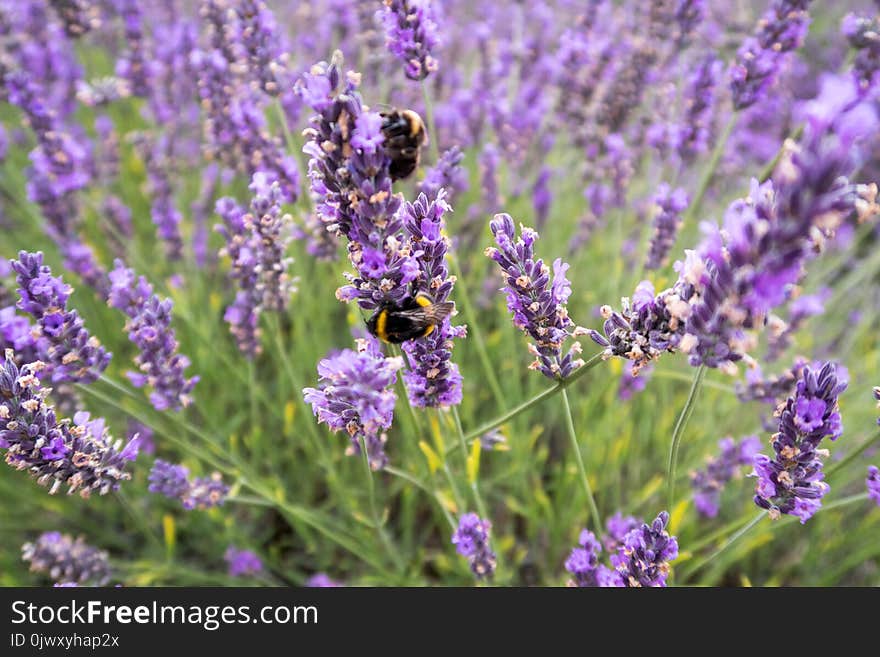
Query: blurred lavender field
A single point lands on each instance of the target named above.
(231, 232)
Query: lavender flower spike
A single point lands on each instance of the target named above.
(643, 559)
(873, 483)
(411, 34)
(759, 59)
(160, 366)
(242, 562)
(583, 564)
(432, 379)
(536, 301)
(471, 540)
(168, 479)
(63, 342)
(172, 481)
(708, 483)
(669, 204)
(791, 482)
(81, 456)
(356, 394)
(67, 561)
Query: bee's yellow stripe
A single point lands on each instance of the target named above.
(423, 300)
(428, 331)
(381, 323)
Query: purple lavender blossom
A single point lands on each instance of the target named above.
(800, 309)
(471, 540)
(67, 561)
(261, 45)
(583, 564)
(617, 527)
(61, 339)
(160, 366)
(643, 559)
(669, 205)
(167, 218)
(205, 493)
(82, 456)
(356, 394)
(242, 563)
(412, 34)
(351, 181)
(146, 441)
(322, 581)
(633, 380)
(135, 64)
(873, 483)
(447, 174)
(759, 59)
(792, 481)
(708, 483)
(770, 389)
(168, 479)
(693, 134)
(863, 34)
(536, 300)
(256, 243)
(432, 379)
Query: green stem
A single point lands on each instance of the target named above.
(475, 332)
(378, 524)
(742, 531)
(852, 456)
(481, 507)
(677, 432)
(412, 479)
(572, 434)
(709, 172)
(534, 401)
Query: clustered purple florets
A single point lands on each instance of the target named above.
(242, 562)
(256, 243)
(668, 204)
(781, 30)
(412, 34)
(640, 555)
(67, 561)
(791, 481)
(708, 483)
(80, 455)
(432, 379)
(471, 540)
(356, 395)
(536, 298)
(173, 481)
(745, 269)
(61, 340)
(873, 483)
(160, 366)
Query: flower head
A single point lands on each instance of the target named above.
(791, 481)
(708, 482)
(643, 559)
(873, 483)
(356, 395)
(412, 34)
(471, 540)
(242, 562)
(67, 561)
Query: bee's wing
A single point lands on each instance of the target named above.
(433, 313)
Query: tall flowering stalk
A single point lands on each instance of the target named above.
(583, 564)
(67, 561)
(643, 559)
(350, 179)
(256, 243)
(742, 271)
(872, 482)
(471, 540)
(355, 394)
(668, 204)
(412, 34)
(79, 455)
(160, 366)
(432, 379)
(791, 481)
(760, 58)
(62, 342)
(535, 298)
(173, 481)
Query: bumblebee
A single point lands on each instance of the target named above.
(414, 318)
(405, 134)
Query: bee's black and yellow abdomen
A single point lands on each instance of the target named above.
(415, 318)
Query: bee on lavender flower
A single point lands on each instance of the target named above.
(416, 317)
(405, 134)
